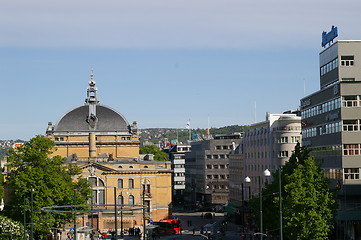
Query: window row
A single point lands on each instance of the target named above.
(121, 183)
(351, 173)
(286, 139)
(179, 174)
(256, 142)
(329, 66)
(256, 155)
(321, 108)
(216, 186)
(215, 166)
(179, 166)
(347, 61)
(351, 101)
(256, 168)
(131, 199)
(322, 130)
(257, 131)
(222, 176)
(224, 147)
(351, 149)
(283, 154)
(330, 128)
(180, 183)
(220, 156)
(351, 125)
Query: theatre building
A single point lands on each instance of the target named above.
(105, 146)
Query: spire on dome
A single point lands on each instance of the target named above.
(92, 100)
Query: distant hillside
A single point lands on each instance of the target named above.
(155, 135)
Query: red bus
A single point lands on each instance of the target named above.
(168, 226)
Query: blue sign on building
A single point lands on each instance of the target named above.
(328, 37)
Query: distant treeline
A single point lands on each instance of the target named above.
(155, 135)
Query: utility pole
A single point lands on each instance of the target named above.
(144, 235)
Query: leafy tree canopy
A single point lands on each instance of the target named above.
(159, 155)
(10, 229)
(48, 180)
(309, 206)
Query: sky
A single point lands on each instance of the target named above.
(163, 63)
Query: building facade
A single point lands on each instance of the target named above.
(207, 171)
(100, 141)
(267, 145)
(331, 122)
(177, 157)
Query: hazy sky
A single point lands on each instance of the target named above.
(162, 62)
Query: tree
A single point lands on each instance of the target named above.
(159, 155)
(309, 205)
(10, 229)
(51, 183)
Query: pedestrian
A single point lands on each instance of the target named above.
(194, 231)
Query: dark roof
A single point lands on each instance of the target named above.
(108, 120)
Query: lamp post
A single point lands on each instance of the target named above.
(24, 218)
(266, 173)
(280, 200)
(31, 218)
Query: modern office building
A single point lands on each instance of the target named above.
(177, 157)
(331, 126)
(100, 141)
(207, 170)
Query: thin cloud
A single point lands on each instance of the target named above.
(171, 24)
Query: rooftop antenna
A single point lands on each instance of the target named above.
(255, 111)
(304, 87)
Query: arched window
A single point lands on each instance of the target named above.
(120, 200)
(131, 200)
(145, 166)
(98, 190)
(130, 166)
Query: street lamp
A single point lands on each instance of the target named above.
(280, 200)
(266, 173)
(31, 218)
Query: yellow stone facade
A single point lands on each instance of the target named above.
(101, 142)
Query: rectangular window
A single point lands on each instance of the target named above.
(347, 61)
(209, 166)
(351, 149)
(351, 173)
(283, 140)
(283, 154)
(350, 125)
(120, 183)
(295, 139)
(349, 101)
(131, 183)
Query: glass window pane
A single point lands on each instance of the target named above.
(101, 197)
